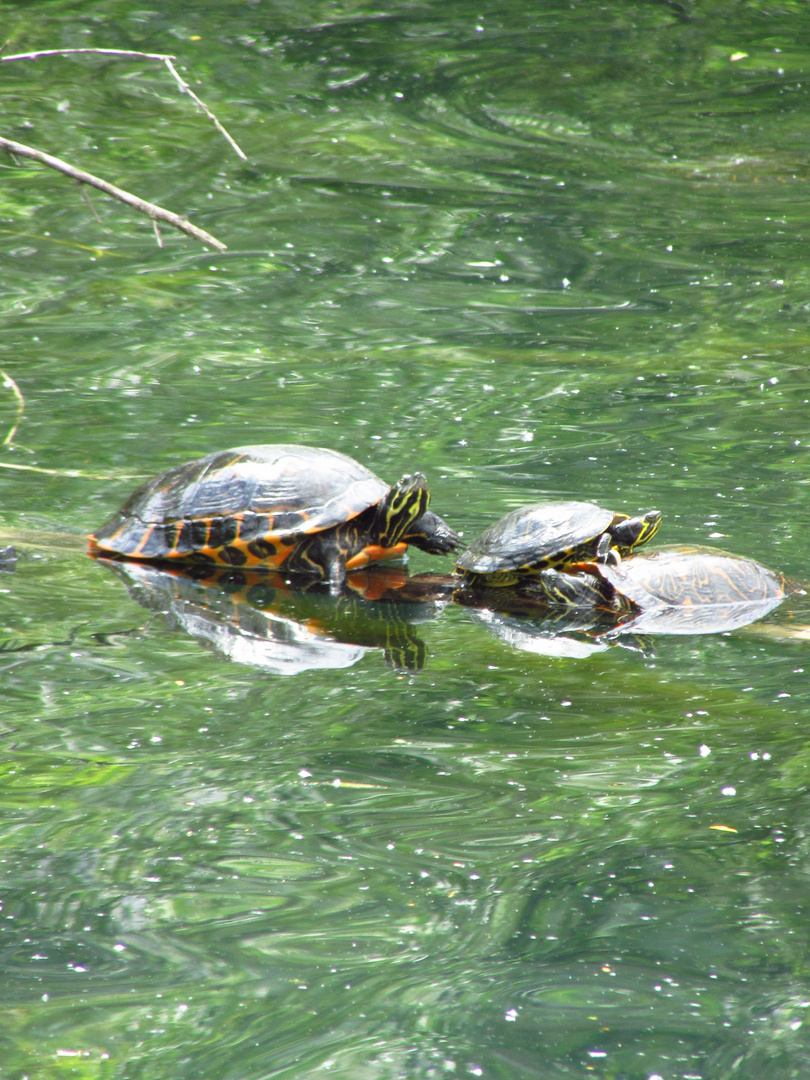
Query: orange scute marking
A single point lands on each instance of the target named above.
(275, 560)
(143, 542)
(374, 553)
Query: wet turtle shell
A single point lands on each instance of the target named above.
(531, 538)
(678, 589)
(682, 576)
(306, 509)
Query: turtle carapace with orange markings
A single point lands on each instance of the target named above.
(526, 541)
(298, 508)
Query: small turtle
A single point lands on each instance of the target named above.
(298, 508)
(528, 540)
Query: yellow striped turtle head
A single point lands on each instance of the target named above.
(406, 501)
(627, 533)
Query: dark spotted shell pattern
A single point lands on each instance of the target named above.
(245, 506)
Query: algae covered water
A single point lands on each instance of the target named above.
(535, 251)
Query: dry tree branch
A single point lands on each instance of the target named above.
(165, 58)
(156, 213)
(185, 88)
(106, 52)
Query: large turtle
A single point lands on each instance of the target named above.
(527, 541)
(300, 508)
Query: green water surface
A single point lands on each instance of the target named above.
(534, 250)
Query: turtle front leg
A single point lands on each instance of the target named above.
(605, 553)
(335, 572)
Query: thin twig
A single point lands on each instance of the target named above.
(43, 238)
(158, 237)
(88, 202)
(103, 52)
(67, 472)
(165, 58)
(156, 213)
(184, 87)
(9, 382)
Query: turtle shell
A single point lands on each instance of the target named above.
(532, 537)
(692, 577)
(247, 506)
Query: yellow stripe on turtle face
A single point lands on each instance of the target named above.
(406, 501)
(652, 520)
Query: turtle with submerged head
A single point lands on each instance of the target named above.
(677, 590)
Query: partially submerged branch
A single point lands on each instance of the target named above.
(9, 383)
(156, 213)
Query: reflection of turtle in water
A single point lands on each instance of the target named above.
(257, 618)
(303, 509)
(526, 541)
(565, 633)
(674, 590)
